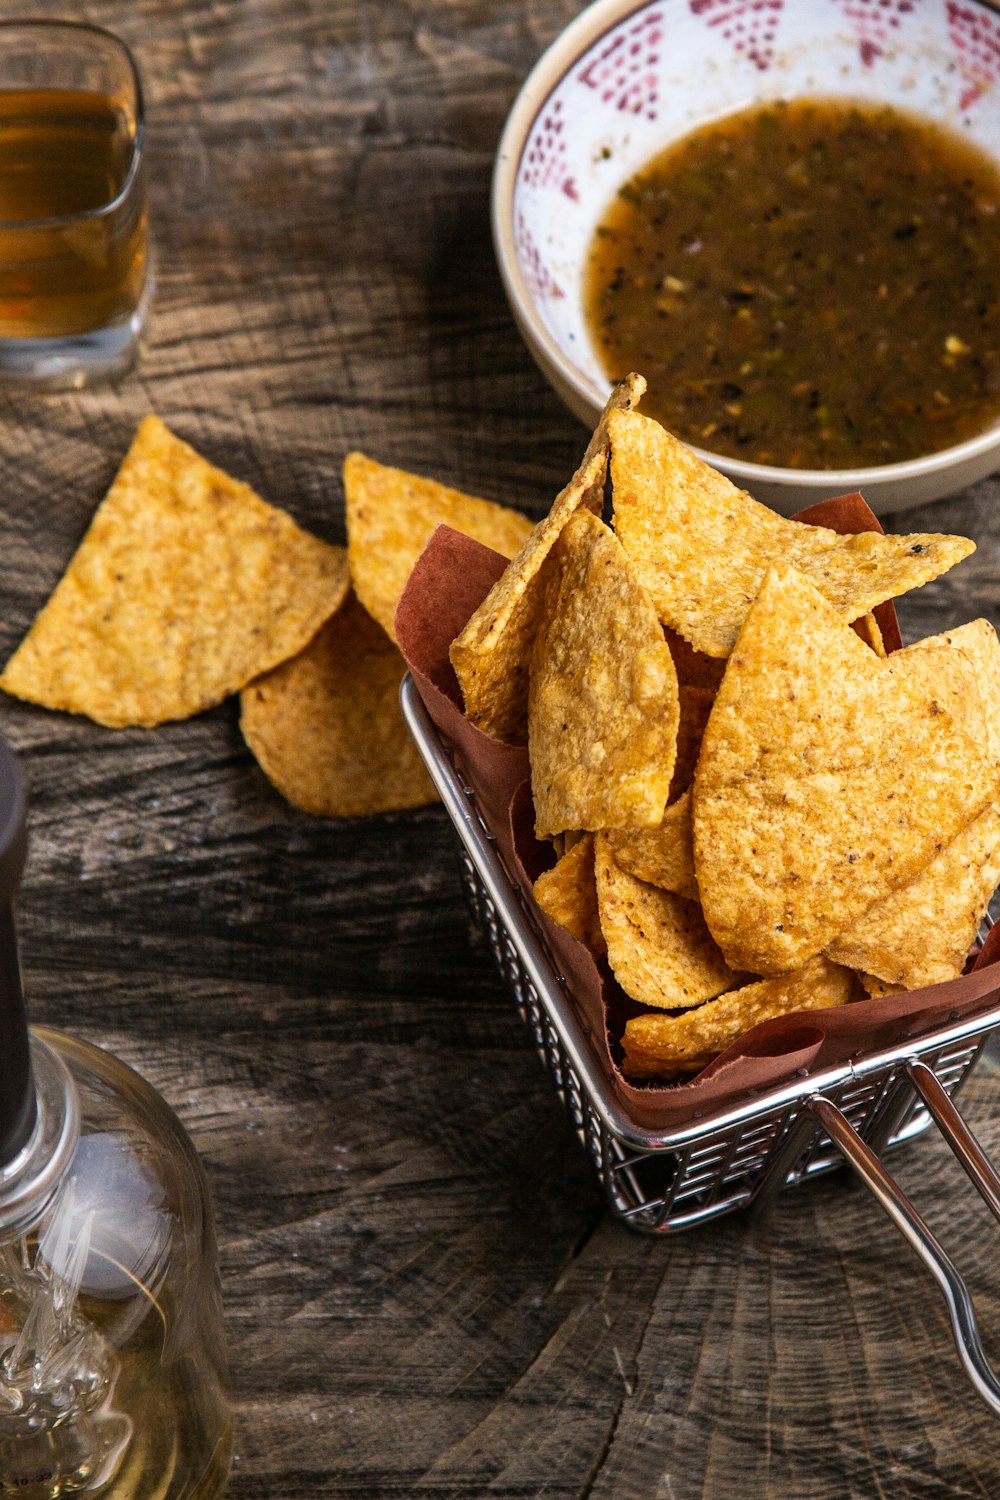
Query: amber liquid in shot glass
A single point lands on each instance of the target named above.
(74, 277)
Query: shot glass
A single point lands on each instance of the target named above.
(75, 280)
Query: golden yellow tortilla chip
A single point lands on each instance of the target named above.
(492, 654)
(824, 782)
(603, 708)
(390, 517)
(656, 1045)
(947, 674)
(977, 641)
(702, 547)
(868, 629)
(921, 933)
(658, 945)
(185, 587)
(661, 856)
(326, 726)
(568, 894)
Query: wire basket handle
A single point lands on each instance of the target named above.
(908, 1221)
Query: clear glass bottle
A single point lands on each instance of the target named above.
(112, 1360)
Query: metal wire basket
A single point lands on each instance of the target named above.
(665, 1181)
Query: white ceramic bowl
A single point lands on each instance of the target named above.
(623, 80)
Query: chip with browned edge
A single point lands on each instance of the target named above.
(659, 1045)
(390, 517)
(603, 707)
(185, 587)
(701, 546)
(658, 945)
(568, 894)
(326, 727)
(492, 654)
(824, 782)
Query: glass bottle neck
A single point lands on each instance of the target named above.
(29, 1179)
(17, 1089)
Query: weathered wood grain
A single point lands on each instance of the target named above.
(425, 1295)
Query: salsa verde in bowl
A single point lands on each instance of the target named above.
(787, 217)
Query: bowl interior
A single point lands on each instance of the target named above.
(623, 82)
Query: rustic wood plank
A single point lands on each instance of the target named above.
(425, 1295)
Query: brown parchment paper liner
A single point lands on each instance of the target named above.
(452, 577)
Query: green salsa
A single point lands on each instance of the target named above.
(814, 284)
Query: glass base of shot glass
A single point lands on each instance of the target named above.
(72, 361)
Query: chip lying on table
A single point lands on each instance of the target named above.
(757, 811)
(188, 587)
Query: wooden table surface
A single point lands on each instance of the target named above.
(425, 1294)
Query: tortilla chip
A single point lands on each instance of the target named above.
(661, 856)
(603, 708)
(390, 517)
(701, 547)
(868, 629)
(979, 640)
(326, 726)
(568, 894)
(824, 782)
(656, 1045)
(658, 945)
(948, 675)
(978, 643)
(921, 933)
(185, 587)
(492, 654)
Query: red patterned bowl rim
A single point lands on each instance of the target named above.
(558, 59)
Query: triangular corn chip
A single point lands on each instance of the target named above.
(326, 726)
(948, 675)
(662, 856)
(658, 945)
(185, 587)
(921, 933)
(390, 517)
(701, 546)
(978, 642)
(492, 654)
(656, 1045)
(868, 629)
(568, 894)
(824, 782)
(603, 711)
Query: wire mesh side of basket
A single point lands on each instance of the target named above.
(666, 1189)
(667, 1181)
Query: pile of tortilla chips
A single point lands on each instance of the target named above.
(188, 588)
(755, 810)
